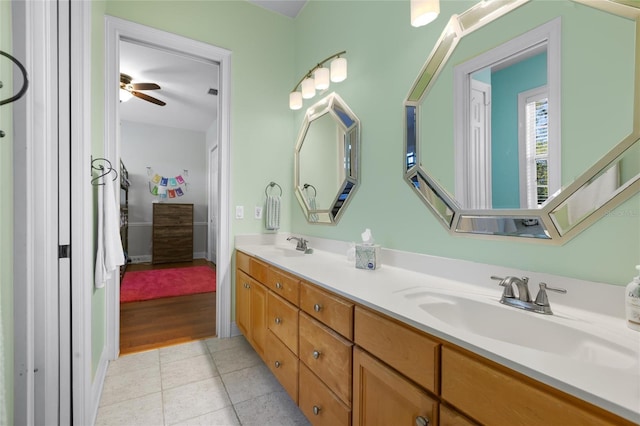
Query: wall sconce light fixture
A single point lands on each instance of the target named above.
(317, 78)
(424, 11)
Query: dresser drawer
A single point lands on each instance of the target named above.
(283, 284)
(405, 349)
(319, 404)
(328, 355)
(284, 365)
(172, 214)
(282, 320)
(332, 310)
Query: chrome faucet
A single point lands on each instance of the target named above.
(523, 300)
(302, 244)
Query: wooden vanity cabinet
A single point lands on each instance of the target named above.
(493, 394)
(251, 302)
(384, 397)
(347, 364)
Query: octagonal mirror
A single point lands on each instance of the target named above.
(326, 160)
(498, 119)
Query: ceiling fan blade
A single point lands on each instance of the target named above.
(145, 86)
(148, 98)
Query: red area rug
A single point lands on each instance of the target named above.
(158, 283)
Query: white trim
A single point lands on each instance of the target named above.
(116, 29)
(36, 397)
(84, 407)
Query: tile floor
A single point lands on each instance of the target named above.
(207, 382)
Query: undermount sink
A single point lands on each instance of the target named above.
(492, 320)
(288, 251)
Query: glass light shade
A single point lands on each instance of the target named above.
(424, 11)
(338, 70)
(295, 100)
(321, 78)
(125, 95)
(308, 88)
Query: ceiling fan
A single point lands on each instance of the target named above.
(133, 89)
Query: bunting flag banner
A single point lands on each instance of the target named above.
(167, 187)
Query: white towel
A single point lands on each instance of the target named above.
(272, 217)
(109, 254)
(311, 199)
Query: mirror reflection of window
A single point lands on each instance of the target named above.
(534, 120)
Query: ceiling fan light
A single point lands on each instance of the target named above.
(308, 88)
(125, 95)
(321, 78)
(338, 70)
(295, 100)
(424, 11)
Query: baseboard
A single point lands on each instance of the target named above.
(145, 258)
(98, 384)
(200, 255)
(235, 331)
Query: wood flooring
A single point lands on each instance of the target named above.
(167, 321)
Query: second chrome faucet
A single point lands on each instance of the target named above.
(523, 298)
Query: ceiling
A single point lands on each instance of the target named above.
(184, 81)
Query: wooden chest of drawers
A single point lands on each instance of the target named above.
(172, 236)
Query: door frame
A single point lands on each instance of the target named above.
(115, 30)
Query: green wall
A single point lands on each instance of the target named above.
(6, 222)
(385, 55)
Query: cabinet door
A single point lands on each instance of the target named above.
(383, 397)
(258, 317)
(243, 302)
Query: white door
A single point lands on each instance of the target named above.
(478, 150)
(213, 205)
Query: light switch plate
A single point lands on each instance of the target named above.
(239, 212)
(258, 213)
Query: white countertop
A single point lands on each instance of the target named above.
(612, 383)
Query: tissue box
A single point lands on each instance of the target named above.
(368, 256)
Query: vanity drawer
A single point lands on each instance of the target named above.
(405, 349)
(321, 406)
(284, 365)
(493, 394)
(252, 266)
(284, 284)
(332, 310)
(328, 355)
(282, 320)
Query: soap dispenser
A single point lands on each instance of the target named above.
(632, 295)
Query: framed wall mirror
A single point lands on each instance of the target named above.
(327, 160)
(497, 121)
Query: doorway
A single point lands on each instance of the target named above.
(120, 30)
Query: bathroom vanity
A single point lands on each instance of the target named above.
(360, 347)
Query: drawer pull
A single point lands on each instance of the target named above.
(278, 320)
(316, 410)
(246, 285)
(421, 421)
(317, 307)
(277, 364)
(316, 354)
(278, 285)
